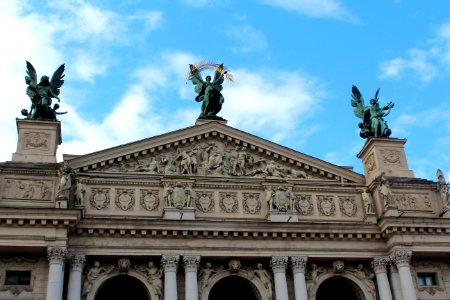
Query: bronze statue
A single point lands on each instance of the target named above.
(209, 90)
(41, 94)
(373, 124)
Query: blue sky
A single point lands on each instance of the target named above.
(294, 63)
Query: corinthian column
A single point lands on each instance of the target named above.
(395, 283)
(379, 265)
(77, 262)
(278, 264)
(56, 257)
(401, 259)
(170, 265)
(298, 269)
(191, 264)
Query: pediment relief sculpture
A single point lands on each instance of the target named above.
(212, 157)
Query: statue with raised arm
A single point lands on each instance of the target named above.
(41, 94)
(373, 124)
(209, 90)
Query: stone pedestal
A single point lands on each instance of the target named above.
(203, 121)
(172, 213)
(370, 218)
(384, 155)
(283, 217)
(38, 141)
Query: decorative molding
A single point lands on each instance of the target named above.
(228, 202)
(100, 198)
(125, 199)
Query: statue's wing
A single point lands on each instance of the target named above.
(218, 75)
(357, 102)
(376, 95)
(57, 80)
(31, 72)
(196, 78)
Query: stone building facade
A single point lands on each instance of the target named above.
(210, 212)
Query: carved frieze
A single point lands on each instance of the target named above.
(149, 199)
(100, 198)
(347, 205)
(412, 202)
(251, 203)
(208, 158)
(304, 204)
(326, 205)
(370, 164)
(125, 199)
(205, 201)
(228, 202)
(36, 140)
(27, 189)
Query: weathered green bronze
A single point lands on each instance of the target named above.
(208, 91)
(373, 124)
(41, 94)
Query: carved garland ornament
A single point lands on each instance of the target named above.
(205, 201)
(391, 157)
(304, 205)
(35, 140)
(228, 202)
(347, 204)
(125, 199)
(100, 198)
(149, 199)
(370, 163)
(251, 203)
(326, 205)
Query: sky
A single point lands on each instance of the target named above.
(294, 63)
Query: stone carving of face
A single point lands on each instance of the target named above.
(338, 266)
(234, 265)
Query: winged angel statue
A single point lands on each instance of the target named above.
(373, 124)
(209, 91)
(41, 94)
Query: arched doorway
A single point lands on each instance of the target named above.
(233, 287)
(122, 287)
(338, 287)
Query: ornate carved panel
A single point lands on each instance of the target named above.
(326, 205)
(370, 164)
(251, 203)
(100, 198)
(304, 204)
(391, 157)
(125, 199)
(205, 201)
(413, 202)
(347, 205)
(228, 202)
(149, 199)
(27, 189)
(36, 140)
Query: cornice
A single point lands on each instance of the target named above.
(43, 218)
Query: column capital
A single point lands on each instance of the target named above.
(191, 263)
(278, 264)
(298, 263)
(401, 257)
(77, 261)
(56, 255)
(170, 262)
(380, 263)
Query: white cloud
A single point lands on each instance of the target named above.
(248, 38)
(315, 8)
(425, 63)
(151, 19)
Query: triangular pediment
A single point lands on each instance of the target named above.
(211, 149)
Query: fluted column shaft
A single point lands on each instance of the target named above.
(170, 265)
(278, 264)
(395, 283)
(191, 264)
(401, 259)
(298, 269)
(56, 257)
(77, 262)
(379, 265)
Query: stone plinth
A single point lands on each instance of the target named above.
(38, 141)
(283, 217)
(172, 213)
(204, 121)
(384, 155)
